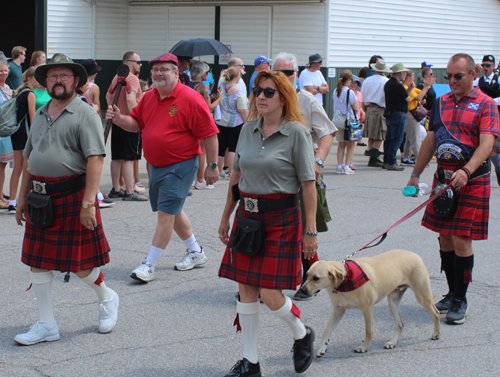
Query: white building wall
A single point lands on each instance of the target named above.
(112, 25)
(69, 28)
(410, 31)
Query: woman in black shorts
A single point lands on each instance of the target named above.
(25, 110)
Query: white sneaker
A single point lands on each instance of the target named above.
(191, 259)
(202, 185)
(145, 272)
(108, 312)
(340, 169)
(39, 332)
(347, 170)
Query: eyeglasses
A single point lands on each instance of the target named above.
(63, 77)
(240, 65)
(456, 76)
(162, 70)
(135, 61)
(287, 72)
(268, 92)
(486, 65)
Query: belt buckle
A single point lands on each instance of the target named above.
(448, 174)
(251, 205)
(39, 187)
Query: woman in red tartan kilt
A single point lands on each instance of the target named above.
(64, 155)
(463, 126)
(273, 160)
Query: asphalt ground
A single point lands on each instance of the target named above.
(180, 324)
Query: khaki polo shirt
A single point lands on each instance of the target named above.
(276, 164)
(61, 147)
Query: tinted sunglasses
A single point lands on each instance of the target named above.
(268, 92)
(287, 72)
(456, 76)
(486, 65)
(135, 61)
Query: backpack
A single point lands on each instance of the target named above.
(8, 117)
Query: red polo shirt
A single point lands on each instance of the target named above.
(172, 127)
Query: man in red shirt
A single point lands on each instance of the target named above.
(463, 126)
(173, 119)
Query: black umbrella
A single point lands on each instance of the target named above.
(199, 47)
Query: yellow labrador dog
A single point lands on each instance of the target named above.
(390, 274)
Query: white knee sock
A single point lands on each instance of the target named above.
(42, 286)
(286, 314)
(249, 314)
(154, 254)
(191, 244)
(93, 279)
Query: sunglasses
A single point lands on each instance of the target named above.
(456, 76)
(268, 92)
(240, 65)
(287, 72)
(486, 65)
(135, 61)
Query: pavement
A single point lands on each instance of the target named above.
(180, 324)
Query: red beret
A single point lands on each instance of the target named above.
(165, 58)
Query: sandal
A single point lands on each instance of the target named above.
(4, 205)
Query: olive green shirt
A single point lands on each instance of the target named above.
(276, 164)
(60, 147)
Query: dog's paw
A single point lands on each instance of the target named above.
(322, 350)
(389, 345)
(361, 349)
(435, 336)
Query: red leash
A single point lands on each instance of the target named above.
(384, 234)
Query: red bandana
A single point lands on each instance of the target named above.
(354, 279)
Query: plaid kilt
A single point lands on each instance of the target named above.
(66, 245)
(471, 217)
(278, 265)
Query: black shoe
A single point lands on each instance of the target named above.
(303, 351)
(116, 194)
(457, 312)
(12, 210)
(361, 144)
(301, 296)
(6, 197)
(367, 152)
(444, 304)
(375, 163)
(244, 368)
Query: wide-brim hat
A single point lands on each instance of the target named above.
(61, 60)
(399, 67)
(91, 66)
(314, 58)
(379, 66)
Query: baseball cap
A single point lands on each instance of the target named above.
(261, 59)
(425, 63)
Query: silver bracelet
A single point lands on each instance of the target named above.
(314, 234)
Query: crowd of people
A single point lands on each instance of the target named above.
(271, 144)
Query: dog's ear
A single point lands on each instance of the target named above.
(337, 274)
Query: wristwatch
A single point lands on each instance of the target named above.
(212, 165)
(320, 162)
(86, 205)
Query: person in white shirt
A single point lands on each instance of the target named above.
(312, 80)
(374, 106)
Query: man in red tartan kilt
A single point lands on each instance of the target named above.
(463, 127)
(64, 155)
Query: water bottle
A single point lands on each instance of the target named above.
(423, 189)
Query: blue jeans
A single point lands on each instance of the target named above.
(396, 124)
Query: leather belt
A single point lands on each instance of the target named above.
(264, 205)
(76, 184)
(485, 168)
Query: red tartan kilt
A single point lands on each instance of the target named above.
(278, 265)
(66, 245)
(471, 217)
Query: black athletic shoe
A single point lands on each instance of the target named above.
(375, 163)
(12, 210)
(367, 152)
(444, 304)
(303, 351)
(244, 368)
(457, 312)
(116, 194)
